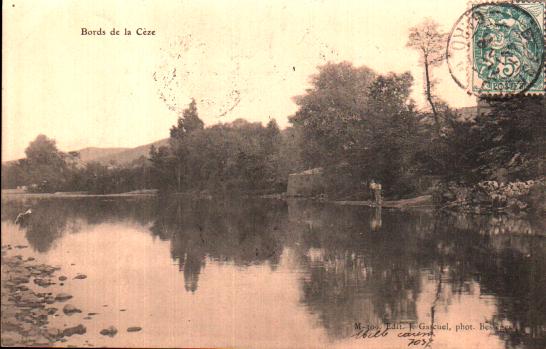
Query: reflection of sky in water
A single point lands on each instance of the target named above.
(261, 274)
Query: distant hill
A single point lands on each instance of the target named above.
(107, 155)
(126, 155)
(94, 153)
(118, 155)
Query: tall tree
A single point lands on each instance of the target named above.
(272, 136)
(272, 146)
(46, 164)
(162, 167)
(429, 40)
(187, 123)
(391, 134)
(43, 150)
(336, 100)
(358, 126)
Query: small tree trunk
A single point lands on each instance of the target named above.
(178, 178)
(429, 98)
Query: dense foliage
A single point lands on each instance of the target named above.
(354, 123)
(233, 156)
(359, 125)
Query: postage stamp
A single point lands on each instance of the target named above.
(497, 48)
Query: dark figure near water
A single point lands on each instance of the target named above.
(22, 217)
(375, 189)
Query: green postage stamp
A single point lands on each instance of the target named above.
(496, 48)
(507, 48)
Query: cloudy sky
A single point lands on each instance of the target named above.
(239, 59)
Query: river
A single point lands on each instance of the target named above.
(261, 273)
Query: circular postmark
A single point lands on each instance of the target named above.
(498, 49)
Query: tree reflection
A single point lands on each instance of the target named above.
(242, 231)
(356, 264)
(357, 274)
(52, 218)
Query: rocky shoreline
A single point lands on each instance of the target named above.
(493, 197)
(27, 313)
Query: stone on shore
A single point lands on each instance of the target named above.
(29, 299)
(43, 282)
(54, 333)
(49, 299)
(20, 279)
(39, 314)
(69, 309)
(134, 329)
(111, 331)
(61, 297)
(25, 317)
(80, 329)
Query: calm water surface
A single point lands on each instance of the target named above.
(267, 274)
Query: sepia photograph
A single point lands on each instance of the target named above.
(273, 174)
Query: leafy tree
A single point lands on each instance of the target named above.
(450, 155)
(359, 125)
(391, 134)
(272, 135)
(508, 142)
(43, 151)
(162, 167)
(240, 156)
(272, 146)
(337, 99)
(290, 160)
(14, 174)
(187, 123)
(46, 166)
(430, 41)
(505, 144)
(513, 138)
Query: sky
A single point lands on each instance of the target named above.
(238, 59)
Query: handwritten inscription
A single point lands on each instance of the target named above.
(419, 334)
(416, 334)
(371, 333)
(418, 338)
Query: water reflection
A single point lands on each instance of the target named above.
(51, 218)
(376, 278)
(353, 264)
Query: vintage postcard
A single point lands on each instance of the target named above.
(273, 174)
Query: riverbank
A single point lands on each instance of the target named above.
(26, 312)
(23, 194)
(486, 197)
(424, 201)
(493, 197)
(29, 311)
